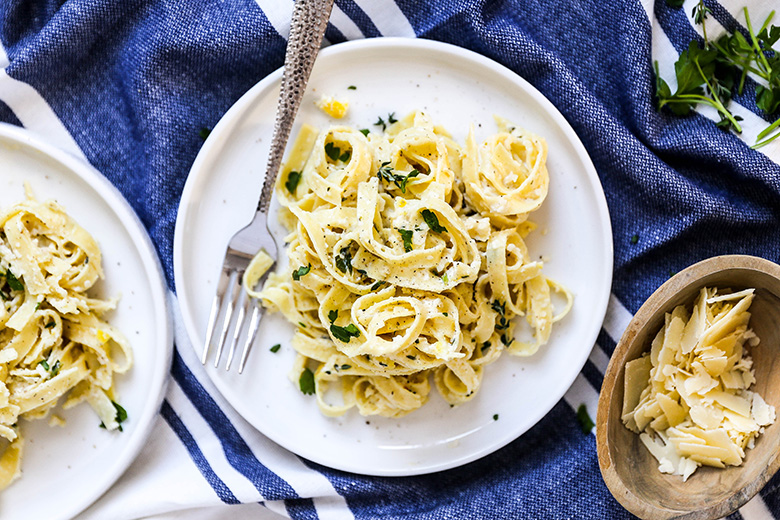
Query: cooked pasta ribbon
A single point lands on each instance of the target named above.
(407, 260)
(53, 340)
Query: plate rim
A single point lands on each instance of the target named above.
(237, 110)
(159, 296)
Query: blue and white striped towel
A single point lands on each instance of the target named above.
(127, 85)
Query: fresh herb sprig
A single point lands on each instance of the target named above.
(711, 75)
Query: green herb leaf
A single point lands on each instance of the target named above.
(352, 87)
(391, 118)
(377, 285)
(381, 122)
(306, 382)
(55, 369)
(634, 239)
(406, 235)
(204, 133)
(385, 173)
(344, 334)
(50, 325)
(432, 220)
(365, 131)
(13, 281)
(44, 364)
(293, 178)
(495, 416)
(345, 367)
(333, 315)
(301, 271)
(585, 421)
(344, 260)
(332, 151)
(275, 348)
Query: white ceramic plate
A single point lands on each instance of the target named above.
(65, 469)
(456, 88)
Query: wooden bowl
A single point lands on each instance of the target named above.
(629, 470)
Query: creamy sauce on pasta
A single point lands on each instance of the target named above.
(53, 341)
(408, 260)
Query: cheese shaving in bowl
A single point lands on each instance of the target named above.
(689, 398)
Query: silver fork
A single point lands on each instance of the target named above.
(309, 19)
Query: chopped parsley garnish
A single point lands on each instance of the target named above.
(50, 325)
(385, 173)
(344, 260)
(635, 239)
(502, 323)
(352, 87)
(381, 122)
(411, 357)
(377, 285)
(445, 313)
(275, 348)
(345, 367)
(335, 153)
(301, 271)
(344, 334)
(121, 416)
(204, 133)
(406, 235)
(485, 346)
(585, 421)
(433, 221)
(13, 281)
(306, 382)
(391, 118)
(506, 340)
(495, 416)
(332, 315)
(44, 364)
(55, 369)
(293, 178)
(365, 131)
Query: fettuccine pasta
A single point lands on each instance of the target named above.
(408, 260)
(53, 341)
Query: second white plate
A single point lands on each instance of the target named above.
(65, 469)
(456, 88)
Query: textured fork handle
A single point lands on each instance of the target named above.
(309, 19)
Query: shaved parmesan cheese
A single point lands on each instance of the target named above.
(689, 397)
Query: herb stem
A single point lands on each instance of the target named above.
(760, 57)
(715, 101)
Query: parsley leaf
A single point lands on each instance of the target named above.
(204, 133)
(377, 285)
(275, 348)
(55, 369)
(385, 173)
(121, 416)
(585, 421)
(344, 260)
(301, 271)
(365, 131)
(406, 235)
(306, 382)
(352, 87)
(332, 151)
(332, 315)
(13, 281)
(293, 178)
(433, 221)
(381, 122)
(344, 334)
